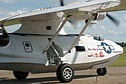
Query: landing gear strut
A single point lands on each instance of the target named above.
(65, 73)
(20, 75)
(101, 71)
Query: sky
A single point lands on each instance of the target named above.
(104, 28)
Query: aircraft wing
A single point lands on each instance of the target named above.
(68, 10)
(122, 6)
(38, 21)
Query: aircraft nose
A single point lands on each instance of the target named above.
(119, 49)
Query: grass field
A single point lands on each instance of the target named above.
(121, 61)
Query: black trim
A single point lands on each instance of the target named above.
(80, 48)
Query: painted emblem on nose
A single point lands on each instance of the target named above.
(106, 47)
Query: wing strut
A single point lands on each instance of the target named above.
(85, 27)
(57, 32)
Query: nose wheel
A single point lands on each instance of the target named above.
(65, 73)
(101, 71)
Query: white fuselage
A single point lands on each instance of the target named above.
(25, 53)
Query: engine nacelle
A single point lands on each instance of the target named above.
(98, 17)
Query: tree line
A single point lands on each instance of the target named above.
(122, 44)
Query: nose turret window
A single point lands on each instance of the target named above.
(98, 38)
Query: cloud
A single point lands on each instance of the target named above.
(23, 10)
(7, 13)
(3, 13)
(124, 15)
(7, 1)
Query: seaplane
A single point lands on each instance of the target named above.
(39, 46)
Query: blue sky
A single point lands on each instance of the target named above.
(104, 28)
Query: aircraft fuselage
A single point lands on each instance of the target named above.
(25, 53)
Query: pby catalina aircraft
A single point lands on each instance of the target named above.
(38, 47)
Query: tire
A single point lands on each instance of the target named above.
(101, 71)
(20, 75)
(65, 73)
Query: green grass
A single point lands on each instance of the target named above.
(121, 61)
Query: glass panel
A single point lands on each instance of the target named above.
(4, 38)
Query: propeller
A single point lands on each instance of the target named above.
(113, 19)
(61, 3)
(73, 23)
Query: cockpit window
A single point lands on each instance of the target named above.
(4, 38)
(98, 38)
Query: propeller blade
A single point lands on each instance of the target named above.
(73, 23)
(113, 19)
(61, 3)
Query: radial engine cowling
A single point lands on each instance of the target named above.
(98, 17)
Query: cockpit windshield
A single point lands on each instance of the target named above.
(4, 38)
(98, 37)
